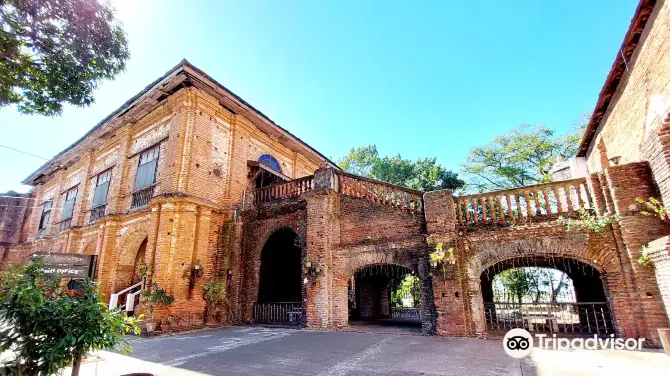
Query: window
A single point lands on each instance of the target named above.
(68, 206)
(46, 215)
(101, 188)
(146, 170)
(270, 161)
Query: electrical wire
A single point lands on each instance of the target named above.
(24, 152)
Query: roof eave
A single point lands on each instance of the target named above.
(624, 54)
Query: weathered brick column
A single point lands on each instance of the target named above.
(626, 183)
(448, 293)
(322, 236)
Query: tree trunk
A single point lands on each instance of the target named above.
(76, 364)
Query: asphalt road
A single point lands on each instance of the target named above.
(269, 351)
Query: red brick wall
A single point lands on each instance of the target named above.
(642, 99)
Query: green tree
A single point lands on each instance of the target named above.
(424, 174)
(57, 51)
(522, 156)
(48, 329)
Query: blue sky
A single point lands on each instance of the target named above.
(416, 78)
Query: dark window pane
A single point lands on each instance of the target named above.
(100, 195)
(146, 171)
(68, 205)
(46, 214)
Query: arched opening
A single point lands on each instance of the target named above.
(131, 266)
(555, 295)
(280, 287)
(140, 266)
(385, 295)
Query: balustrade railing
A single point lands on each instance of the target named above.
(97, 213)
(524, 203)
(566, 318)
(380, 192)
(142, 197)
(291, 188)
(278, 313)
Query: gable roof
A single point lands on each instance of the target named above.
(619, 67)
(181, 75)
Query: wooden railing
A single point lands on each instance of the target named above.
(526, 203)
(291, 188)
(380, 192)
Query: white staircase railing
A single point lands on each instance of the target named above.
(131, 293)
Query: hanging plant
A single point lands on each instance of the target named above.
(193, 273)
(311, 268)
(644, 258)
(440, 258)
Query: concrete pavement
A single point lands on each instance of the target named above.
(270, 351)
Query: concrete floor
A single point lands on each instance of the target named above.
(276, 352)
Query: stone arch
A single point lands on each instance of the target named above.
(358, 261)
(88, 248)
(131, 245)
(577, 247)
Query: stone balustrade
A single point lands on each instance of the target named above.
(380, 192)
(523, 204)
(281, 191)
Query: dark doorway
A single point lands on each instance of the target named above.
(140, 265)
(546, 294)
(280, 287)
(385, 295)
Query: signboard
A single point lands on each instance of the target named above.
(67, 265)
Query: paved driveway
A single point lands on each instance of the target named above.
(276, 352)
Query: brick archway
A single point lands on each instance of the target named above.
(358, 261)
(125, 265)
(577, 247)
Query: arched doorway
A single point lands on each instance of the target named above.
(385, 295)
(131, 264)
(140, 266)
(280, 286)
(554, 295)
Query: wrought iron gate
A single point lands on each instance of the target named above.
(278, 313)
(567, 318)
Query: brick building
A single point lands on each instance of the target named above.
(186, 173)
(631, 120)
(155, 181)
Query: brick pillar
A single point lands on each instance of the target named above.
(625, 184)
(108, 233)
(596, 192)
(322, 236)
(447, 301)
(175, 249)
(657, 152)
(659, 253)
(116, 204)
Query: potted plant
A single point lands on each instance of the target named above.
(214, 292)
(155, 297)
(165, 324)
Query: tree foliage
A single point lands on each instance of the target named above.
(424, 174)
(56, 51)
(534, 284)
(48, 329)
(522, 156)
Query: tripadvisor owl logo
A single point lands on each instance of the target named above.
(518, 343)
